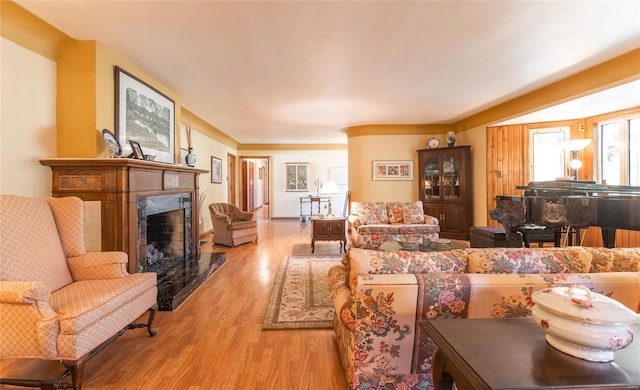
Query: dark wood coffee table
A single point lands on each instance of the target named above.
(512, 353)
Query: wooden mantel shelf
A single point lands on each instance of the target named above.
(118, 183)
(123, 162)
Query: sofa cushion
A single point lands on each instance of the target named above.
(413, 213)
(614, 259)
(394, 212)
(34, 237)
(386, 229)
(528, 261)
(365, 261)
(370, 212)
(81, 304)
(380, 229)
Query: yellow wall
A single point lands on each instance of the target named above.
(386, 142)
(27, 123)
(478, 138)
(86, 97)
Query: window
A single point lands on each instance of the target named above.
(547, 157)
(618, 151)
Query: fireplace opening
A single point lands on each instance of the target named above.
(164, 232)
(165, 236)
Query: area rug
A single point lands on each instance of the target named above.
(300, 297)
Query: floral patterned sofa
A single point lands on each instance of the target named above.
(379, 297)
(373, 223)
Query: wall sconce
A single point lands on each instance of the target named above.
(573, 146)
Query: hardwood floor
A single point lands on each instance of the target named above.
(214, 340)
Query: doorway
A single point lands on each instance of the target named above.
(255, 181)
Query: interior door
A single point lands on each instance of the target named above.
(251, 187)
(231, 179)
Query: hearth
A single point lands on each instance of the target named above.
(176, 283)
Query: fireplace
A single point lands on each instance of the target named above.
(148, 211)
(164, 231)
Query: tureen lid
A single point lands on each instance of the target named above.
(579, 302)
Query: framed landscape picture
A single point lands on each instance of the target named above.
(144, 115)
(393, 170)
(297, 177)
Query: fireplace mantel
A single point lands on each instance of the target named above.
(118, 183)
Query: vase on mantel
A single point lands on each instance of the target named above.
(191, 157)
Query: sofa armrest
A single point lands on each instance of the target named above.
(23, 292)
(17, 294)
(430, 220)
(28, 323)
(354, 221)
(239, 215)
(98, 265)
(222, 218)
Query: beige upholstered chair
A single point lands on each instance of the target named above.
(58, 302)
(232, 226)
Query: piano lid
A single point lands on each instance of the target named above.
(578, 187)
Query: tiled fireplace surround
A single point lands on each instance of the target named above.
(148, 208)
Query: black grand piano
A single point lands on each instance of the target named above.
(574, 204)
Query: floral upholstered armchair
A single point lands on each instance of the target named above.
(58, 301)
(232, 226)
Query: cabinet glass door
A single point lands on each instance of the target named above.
(432, 178)
(450, 180)
(442, 178)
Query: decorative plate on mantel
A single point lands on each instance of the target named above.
(112, 143)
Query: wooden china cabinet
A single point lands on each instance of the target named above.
(445, 188)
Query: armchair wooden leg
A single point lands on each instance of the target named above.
(152, 314)
(76, 367)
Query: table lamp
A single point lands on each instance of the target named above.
(329, 188)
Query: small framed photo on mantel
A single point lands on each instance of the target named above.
(137, 150)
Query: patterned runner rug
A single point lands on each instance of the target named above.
(300, 297)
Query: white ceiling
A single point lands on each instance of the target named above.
(300, 71)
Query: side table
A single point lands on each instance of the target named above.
(329, 229)
(512, 353)
(311, 201)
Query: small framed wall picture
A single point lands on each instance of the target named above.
(137, 150)
(216, 170)
(296, 176)
(393, 170)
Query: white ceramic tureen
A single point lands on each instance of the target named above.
(582, 323)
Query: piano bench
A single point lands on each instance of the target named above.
(488, 237)
(539, 236)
